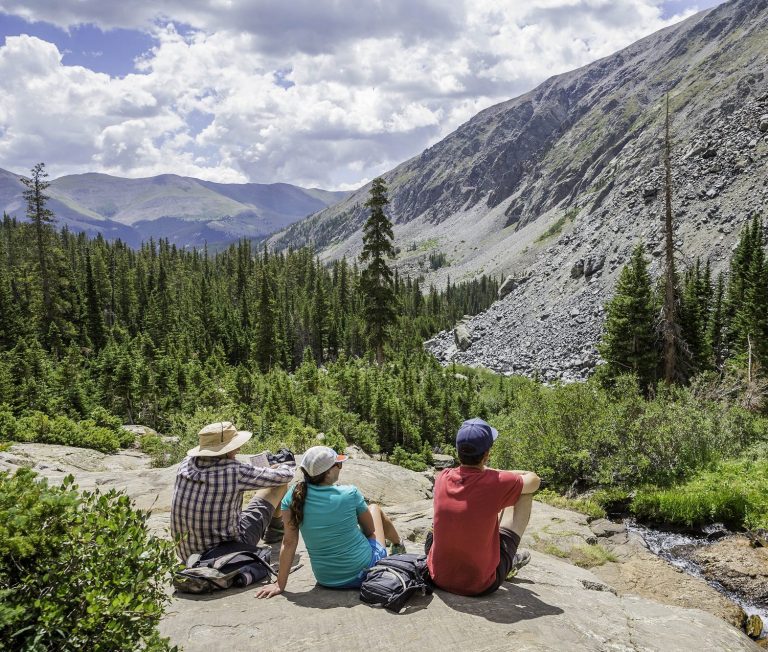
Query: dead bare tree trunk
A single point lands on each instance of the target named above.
(670, 298)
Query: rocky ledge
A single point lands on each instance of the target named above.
(551, 604)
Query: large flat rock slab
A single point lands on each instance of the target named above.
(630, 568)
(550, 605)
(385, 484)
(52, 460)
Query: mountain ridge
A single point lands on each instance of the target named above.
(567, 177)
(187, 211)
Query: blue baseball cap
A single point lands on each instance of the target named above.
(475, 437)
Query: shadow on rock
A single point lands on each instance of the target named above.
(215, 595)
(510, 604)
(320, 597)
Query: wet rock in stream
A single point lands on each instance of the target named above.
(734, 564)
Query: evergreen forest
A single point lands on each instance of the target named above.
(94, 334)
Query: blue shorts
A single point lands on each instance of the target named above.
(378, 552)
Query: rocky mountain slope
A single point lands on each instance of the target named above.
(187, 211)
(556, 187)
(636, 602)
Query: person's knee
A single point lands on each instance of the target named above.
(375, 510)
(273, 495)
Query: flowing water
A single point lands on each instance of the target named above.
(664, 543)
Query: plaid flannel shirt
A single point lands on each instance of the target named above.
(208, 498)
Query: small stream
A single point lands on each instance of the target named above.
(663, 544)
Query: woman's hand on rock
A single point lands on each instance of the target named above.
(269, 591)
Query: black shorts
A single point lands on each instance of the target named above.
(508, 544)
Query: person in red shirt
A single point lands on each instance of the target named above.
(480, 516)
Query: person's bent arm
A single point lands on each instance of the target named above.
(255, 477)
(287, 551)
(366, 524)
(531, 481)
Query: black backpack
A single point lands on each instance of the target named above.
(228, 564)
(393, 580)
(283, 456)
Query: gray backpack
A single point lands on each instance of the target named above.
(224, 566)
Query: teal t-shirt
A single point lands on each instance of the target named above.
(337, 547)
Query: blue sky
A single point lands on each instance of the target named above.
(313, 92)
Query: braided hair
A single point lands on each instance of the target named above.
(300, 495)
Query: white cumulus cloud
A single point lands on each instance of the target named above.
(310, 92)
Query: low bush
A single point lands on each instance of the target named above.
(104, 419)
(40, 428)
(586, 506)
(412, 461)
(78, 571)
(595, 437)
(734, 492)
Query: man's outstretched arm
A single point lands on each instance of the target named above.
(531, 481)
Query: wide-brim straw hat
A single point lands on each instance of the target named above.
(218, 439)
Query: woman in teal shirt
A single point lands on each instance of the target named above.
(343, 535)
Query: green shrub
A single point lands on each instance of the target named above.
(40, 428)
(8, 426)
(78, 571)
(733, 492)
(104, 419)
(89, 435)
(161, 451)
(412, 461)
(583, 433)
(335, 440)
(587, 506)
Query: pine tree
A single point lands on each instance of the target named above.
(738, 282)
(41, 217)
(320, 320)
(629, 341)
(10, 315)
(716, 325)
(265, 347)
(670, 326)
(694, 314)
(376, 279)
(96, 326)
(749, 319)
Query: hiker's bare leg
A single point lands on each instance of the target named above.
(516, 518)
(383, 528)
(273, 495)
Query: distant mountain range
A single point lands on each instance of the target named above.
(558, 185)
(189, 212)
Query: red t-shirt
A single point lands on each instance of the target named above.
(465, 548)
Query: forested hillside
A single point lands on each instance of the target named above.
(157, 333)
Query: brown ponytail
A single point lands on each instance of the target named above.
(300, 496)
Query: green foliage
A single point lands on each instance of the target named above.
(39, 427)
(629, 340)
(720, 324)
(582, 433)
(189, 331)
(78, 571)
(376, 282)
(412, 461)
(437, 259)
(585, 506)
(733, 492)
(557, 227)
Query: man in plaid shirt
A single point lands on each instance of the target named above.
(208, 494)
